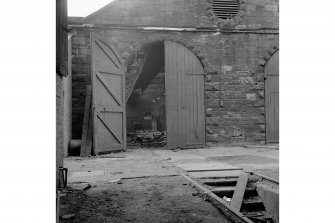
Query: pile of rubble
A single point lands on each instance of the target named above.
(146, 138)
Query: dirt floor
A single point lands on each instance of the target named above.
(150, 199)
(144, 185)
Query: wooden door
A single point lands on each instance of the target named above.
(185, 111)
(108, 86)
(272, 99)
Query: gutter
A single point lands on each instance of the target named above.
(174, 29)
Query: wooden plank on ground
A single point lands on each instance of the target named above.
(214, 166)
(85, 123)
(89, 141)
(215, 174)
(236, 201)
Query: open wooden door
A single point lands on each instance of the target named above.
(185, 109)
(108, 99)
(272, 99)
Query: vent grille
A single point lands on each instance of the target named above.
(225, 9)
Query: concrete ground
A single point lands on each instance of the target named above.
(137, 163)
(259, 159)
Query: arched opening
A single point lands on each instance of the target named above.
(165, 102)
(272, 99)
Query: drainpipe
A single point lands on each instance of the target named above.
(221, 73)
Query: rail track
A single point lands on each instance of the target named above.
(235, 193)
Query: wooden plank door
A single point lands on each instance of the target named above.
(185, 111)
(108, 86)
(272, 99)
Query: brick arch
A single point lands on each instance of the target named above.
(141, 44)
(268, 60)
(261, 63)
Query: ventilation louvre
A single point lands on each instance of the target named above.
(225, 9)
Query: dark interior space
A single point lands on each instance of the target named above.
(146, 118)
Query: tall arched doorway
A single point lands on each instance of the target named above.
(169, 90)
(272, 99)
(184, 81)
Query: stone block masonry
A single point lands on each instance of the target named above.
(233, 59)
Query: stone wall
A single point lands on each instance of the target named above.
(233, 58)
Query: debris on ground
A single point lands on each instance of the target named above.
(146, 138)
(114, 180)
(67, 216)
(195, 193)
(227, 199)
(70, 205)
(81, 186)
(141, 200)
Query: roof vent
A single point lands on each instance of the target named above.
(225, 9)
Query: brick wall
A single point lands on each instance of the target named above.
(233, 60)
(67, 104)
(80, 78)
(59, 124)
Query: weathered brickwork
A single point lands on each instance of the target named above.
(253, 14)
(67, 113)
(233, 58)
(80, 79)
(59, 123)
(186, 13)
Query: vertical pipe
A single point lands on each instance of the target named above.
(221, 76)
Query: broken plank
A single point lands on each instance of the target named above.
(236, 201)
(85, 123)
(223, 189)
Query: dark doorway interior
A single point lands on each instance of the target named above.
(146, 113)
